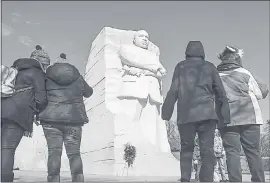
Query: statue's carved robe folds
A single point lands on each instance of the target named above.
(143, 86)
(118, 114)
(141, 97)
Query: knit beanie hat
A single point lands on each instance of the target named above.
(62, 58)
(40, 55)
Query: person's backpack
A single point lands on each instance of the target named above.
(8, 78)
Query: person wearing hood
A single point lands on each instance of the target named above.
(18, 110)
(243, 92)
(64, 116)
(197, 87)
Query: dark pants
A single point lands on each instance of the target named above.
(11, 135)
(71, 136)
(249, 137)
(206, 132)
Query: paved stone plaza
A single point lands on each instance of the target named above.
(40, 176)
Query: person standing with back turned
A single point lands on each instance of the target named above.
(243, 91)
(63, 118)
(196, 86)
(18, 110)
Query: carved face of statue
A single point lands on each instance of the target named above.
(141, 39)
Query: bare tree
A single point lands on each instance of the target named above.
(173, 135)
(265, 140)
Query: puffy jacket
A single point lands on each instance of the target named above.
(196, 100)
(21, 107)
(65, 91)
(243, 92)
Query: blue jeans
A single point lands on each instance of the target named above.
(11, 135)
(247, 136)
(55, 136)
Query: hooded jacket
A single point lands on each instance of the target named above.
(21, 107)
(65, 91)
(196, 99)
(243, 92)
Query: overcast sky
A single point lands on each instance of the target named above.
(71, 27)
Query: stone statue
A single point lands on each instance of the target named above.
(124, 70)
(141, 89)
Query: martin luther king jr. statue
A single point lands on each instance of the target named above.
(141, 90)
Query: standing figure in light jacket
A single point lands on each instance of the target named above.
(63, 118)
(219, 153)
(243, 92)
(17, 111)
(197, 158)
(196, 86)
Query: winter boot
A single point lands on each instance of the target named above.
(78, 178)
(7, 177)
(53, 178)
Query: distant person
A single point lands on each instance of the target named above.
(196, 86)
(63, 118)
(219, 153)
(197, 163)
(18, 110)
(243, 92)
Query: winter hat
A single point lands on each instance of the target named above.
(231, 53)
(62, 58)
(195, 49)
(40, 55)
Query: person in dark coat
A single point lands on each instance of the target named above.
(17, 111)
(197, 87)
(64, 116)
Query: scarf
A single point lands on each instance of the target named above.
(228, 65)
